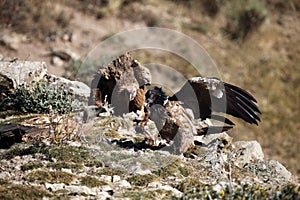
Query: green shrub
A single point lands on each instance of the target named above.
(41, 97)
(243, 17)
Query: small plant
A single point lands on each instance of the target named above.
(90, 181)
(50, 176)
(31, 165)
(243, 17)
(212, 7)
(41, 97)
(142, 180)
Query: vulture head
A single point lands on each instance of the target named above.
(156, 96)
(130, 92)
(142, 75)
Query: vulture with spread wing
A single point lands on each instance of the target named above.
(122, 84)
(205, 96)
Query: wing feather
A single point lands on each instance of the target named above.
(213, 95)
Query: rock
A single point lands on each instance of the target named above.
(55, 186)
(106, 188)
(116, 178)
(66, 170)
(155, 184)
(102, 196)
(210, 145)
(5, 175)
(174, 191)
(281, 171)
(81, 189)
(19, 72)
(80, 90)
(57, 61)
(11, 133)
(64, 54)
(106, 178)
(10, 40)
(122, 184)
(247, 152)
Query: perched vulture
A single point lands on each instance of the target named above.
(207, 95)
(125, 97)
(172, 120)
(122, 82)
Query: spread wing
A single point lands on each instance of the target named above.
(207, 95)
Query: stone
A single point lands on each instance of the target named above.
(175, 192)
(106, 178)
(106, 188)
(155, 184)
(81, 189)
(10, 40)
(116, 178)
(122, 184)
(102, 196)
(19, 72)
(57, 61)
(55, 186)
(80, 90)
(281, 171)
(247, 152)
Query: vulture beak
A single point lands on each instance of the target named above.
(148, 103)
(132, 92)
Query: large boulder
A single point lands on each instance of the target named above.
(14, 73)
(18, 72)
(80, 90)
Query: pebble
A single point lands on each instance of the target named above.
(106, 178)
(122, 184)
(116, 178)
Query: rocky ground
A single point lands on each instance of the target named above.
(62, 157)
(263, 60)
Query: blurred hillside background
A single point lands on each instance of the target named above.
(255, 44)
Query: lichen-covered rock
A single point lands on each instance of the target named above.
(20, 72)
(247, 152)
(80, 91)
(280, 169)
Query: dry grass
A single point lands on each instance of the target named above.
(33, 17)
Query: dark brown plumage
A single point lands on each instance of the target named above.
(122, 84)
(138, 101)
(207, 95)
(172, 120)
(202, 96)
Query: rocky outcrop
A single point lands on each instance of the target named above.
(21, 72)
(14, 73)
